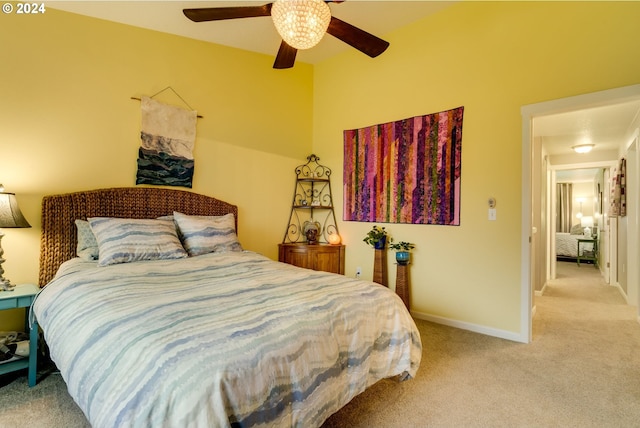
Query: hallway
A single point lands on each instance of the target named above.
(583, 282)
(579, 302)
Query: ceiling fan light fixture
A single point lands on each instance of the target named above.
(583, 148)
(301, 23)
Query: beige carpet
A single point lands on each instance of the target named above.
(581, 370)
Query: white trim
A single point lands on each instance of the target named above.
(526, 299)
(541, 292)
(580, 102)
(597, 164)
(632, 153)
(550, 238)
(529, 112)
(604, 258)
(621, 291)
(489, 331)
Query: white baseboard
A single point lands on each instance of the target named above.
(622, 293)
(489, 331)
(541, 292)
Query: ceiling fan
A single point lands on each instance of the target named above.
(296, 20)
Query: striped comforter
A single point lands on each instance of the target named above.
(223, 339)
(567, 245)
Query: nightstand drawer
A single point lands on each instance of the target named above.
(8, 302)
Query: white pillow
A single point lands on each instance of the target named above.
(123, 240)
(87, 248)
(207, 234)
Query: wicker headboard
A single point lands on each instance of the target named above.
(59, 212)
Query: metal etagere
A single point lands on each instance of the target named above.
(312, 205)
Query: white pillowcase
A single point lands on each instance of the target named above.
(123, 240)
(87, 247)
(207, 234)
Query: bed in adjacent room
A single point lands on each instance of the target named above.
(182, 327)
(567, 245)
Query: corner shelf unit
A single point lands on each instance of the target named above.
(312, 202)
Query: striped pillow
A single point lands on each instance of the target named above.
(123, 240)
(207, 234)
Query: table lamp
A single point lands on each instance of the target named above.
(10, 216)
(587, 223)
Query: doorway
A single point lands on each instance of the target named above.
(534, 218)
(578, 198)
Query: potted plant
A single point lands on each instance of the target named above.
(377, 237)
(402, 251)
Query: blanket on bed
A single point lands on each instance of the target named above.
(567, 245)
(230, 339)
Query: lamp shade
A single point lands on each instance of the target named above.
(10, 214)
(301, 23)
(586, 221)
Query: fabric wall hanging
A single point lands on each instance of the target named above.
(622, 178)
(406, 171)
(618, 206)
(168, 135)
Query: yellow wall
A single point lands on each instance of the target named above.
(491, 58)
(67, 121)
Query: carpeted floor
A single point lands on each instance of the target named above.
(582, 369)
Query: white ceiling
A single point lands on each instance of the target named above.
(604, 126)
(253, 34)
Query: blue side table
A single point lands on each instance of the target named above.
(21, 297)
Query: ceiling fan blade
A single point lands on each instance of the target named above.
(220, 13)
(286, 56)
(365, 42)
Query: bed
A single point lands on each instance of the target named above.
(567, 245)
(220, 338)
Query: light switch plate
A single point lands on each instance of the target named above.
(492, 214)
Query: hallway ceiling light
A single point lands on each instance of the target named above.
(583, 148)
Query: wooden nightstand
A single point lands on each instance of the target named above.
(324, 257)
(21, 297)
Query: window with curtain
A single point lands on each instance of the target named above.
(564, 206)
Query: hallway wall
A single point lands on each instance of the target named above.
(630, 271)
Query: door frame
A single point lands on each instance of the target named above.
(603, 230)
(529, 112)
